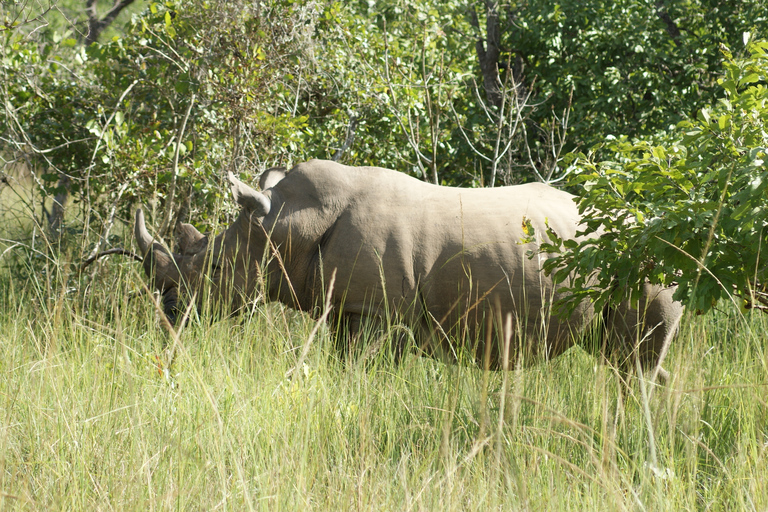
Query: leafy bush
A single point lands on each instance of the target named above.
(691, 207)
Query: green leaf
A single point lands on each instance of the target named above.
(751, 78)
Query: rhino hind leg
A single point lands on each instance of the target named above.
(643, 333)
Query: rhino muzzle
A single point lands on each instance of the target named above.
(160, 266)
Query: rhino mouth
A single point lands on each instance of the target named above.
(171, 306)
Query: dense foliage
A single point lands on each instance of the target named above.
(689, 208)
(635, 68)
(463, 93)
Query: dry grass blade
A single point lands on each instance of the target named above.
(320, 321)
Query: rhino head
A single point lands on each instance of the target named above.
(220, 272)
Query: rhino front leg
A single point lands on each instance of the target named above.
(359, 335)
(346, 331)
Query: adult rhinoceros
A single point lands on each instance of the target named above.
(437, 259)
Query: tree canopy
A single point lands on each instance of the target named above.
(650, 111)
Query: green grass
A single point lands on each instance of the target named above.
(89, 423)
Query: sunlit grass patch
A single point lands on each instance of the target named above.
(90, 422)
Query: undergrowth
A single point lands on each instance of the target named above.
(241, 421)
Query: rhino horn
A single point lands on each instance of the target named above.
(189, 239)
(254, 202)
(147, 243)
(157, 259)
(143, 238)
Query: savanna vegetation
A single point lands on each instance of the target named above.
(654, 113)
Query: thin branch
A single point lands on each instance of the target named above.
(349, 140)
(92, 164)
(391, 90)
(117, 250)
(172, 191)
(44, 151)
(464, 134)
(16, 243)
(110, 219)
(95, 25)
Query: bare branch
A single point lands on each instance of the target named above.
(464, 134)
(350, 139)
(408, 134)
(117, 250)
(98, 145)
(110, 220)
(97, 25)
(172, 192)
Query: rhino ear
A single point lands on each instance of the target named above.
(271, 177)
(254, 202)
(189, 239)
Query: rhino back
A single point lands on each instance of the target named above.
(395, 241)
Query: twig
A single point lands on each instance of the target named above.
(96, 150)
(117, 250)
(408, 134)
(110, 220)
(172, 191)
(349, 140)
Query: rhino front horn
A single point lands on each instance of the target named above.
(143, 238)
(253, 201)
(145, 241)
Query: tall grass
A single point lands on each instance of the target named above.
(89, 423)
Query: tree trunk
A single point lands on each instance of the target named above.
(56, 220)
(97, 25)
(488, 50)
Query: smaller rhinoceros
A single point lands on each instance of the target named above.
(446, 262)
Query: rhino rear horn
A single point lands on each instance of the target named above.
(254, 202)
(189, 239)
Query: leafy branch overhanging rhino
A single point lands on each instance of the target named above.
(441, 260)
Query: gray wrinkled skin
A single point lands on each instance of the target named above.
(445, 262)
